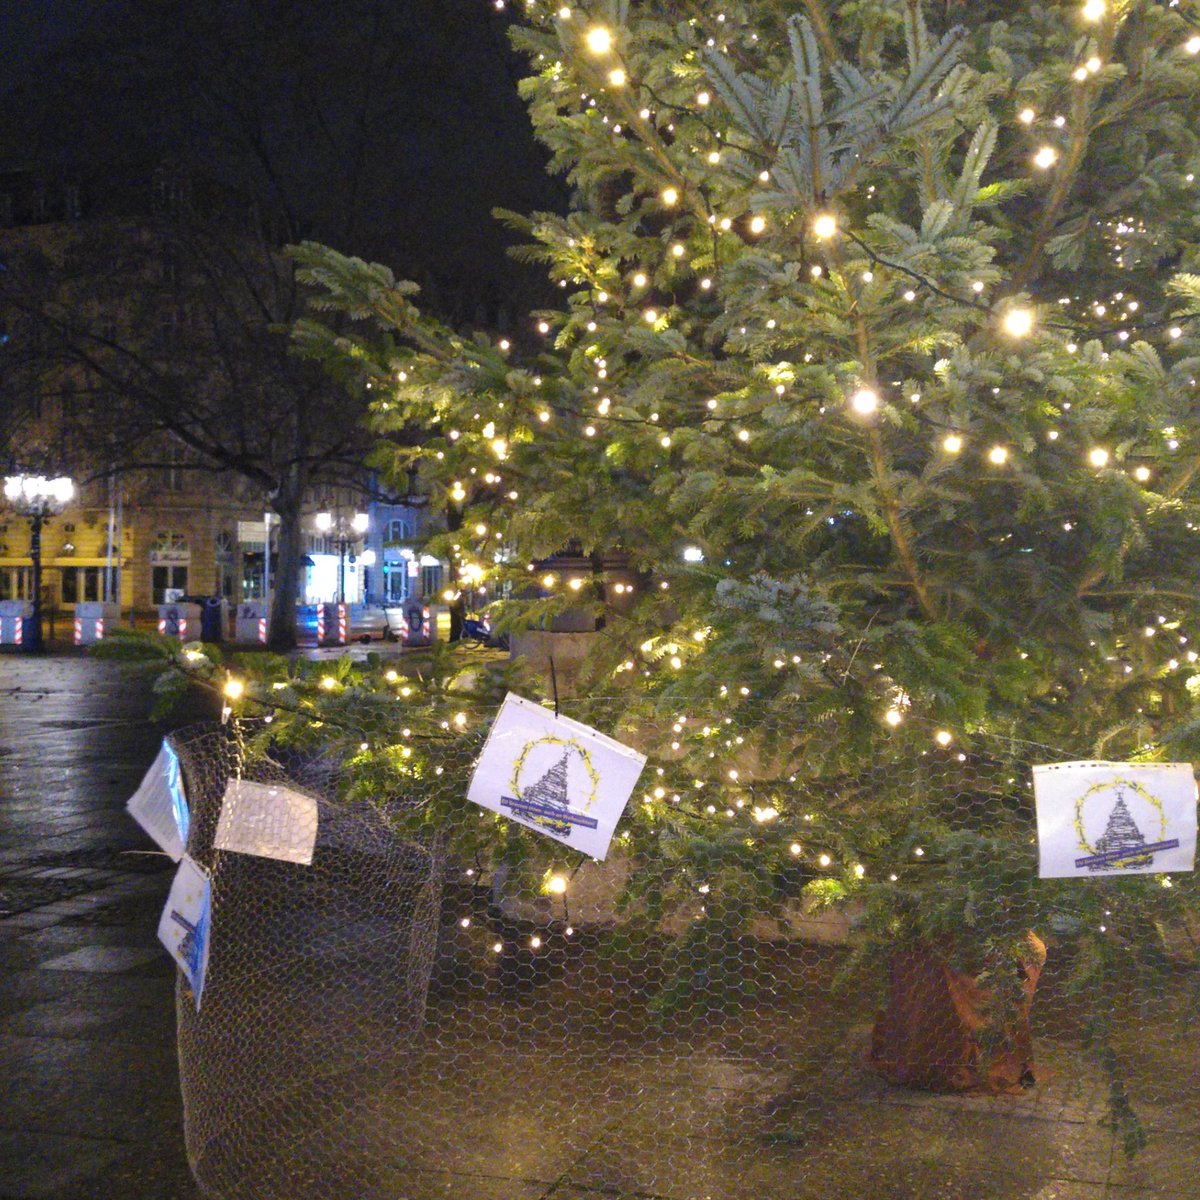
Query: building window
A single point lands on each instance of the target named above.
(170, 557)
(15, 583)
(431, 580)
(80, 584)
(401, 529)
(168, 579)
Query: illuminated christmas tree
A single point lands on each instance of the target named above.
(875, 361)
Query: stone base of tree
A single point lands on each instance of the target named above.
(944, 1031)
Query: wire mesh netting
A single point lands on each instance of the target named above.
(852, 986)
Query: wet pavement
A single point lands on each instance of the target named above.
(89, 1107)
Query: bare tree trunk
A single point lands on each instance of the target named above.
(282, 630)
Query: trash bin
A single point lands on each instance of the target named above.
(214, 619)
(13, 617)
(93, 619)
(180, 620)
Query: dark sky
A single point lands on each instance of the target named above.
(389, 128)
(29, 27)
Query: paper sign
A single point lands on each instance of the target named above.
(555, 776)
(186, 923)
(268, 820)
(1099, 818)
(159, 805)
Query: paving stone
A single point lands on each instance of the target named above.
(104, 960)
(43, 1164)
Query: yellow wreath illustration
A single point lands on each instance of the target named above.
(569, 743)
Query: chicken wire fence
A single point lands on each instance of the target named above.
(852, 986)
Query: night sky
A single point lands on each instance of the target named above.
(388, 128)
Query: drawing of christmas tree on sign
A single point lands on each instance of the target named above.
(1122, 838)
(546, 800)
(1122, 846)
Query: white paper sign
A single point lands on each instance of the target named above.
(1101, 818)
(159, 805)
(268, 820)
(555, 776)
(186, 923)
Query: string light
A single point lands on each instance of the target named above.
(1192, 45)
(758, 224)
(825, 226)
(1142, 474)
(998, 456)
(234, 688)
(864, 402)
(670, 196)
(617, 77)
(1098, 457)
(599, 39)
(1094, 10)
(953, 443)
(943, 737)
(1027, 116)
(556, 885)
(1045, 158)
(1018, 322)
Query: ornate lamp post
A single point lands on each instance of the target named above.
(38, 498)
(347, 531)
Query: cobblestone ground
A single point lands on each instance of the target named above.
(89, 1106)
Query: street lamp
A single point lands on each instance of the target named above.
(38, 498)
(347, 531)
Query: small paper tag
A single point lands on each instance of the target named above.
(160, 806)
(268, 820)
(1101, 818)
(555, 776)
(186, 923)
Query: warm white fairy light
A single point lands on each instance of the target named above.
(599, 40)
(1142, 474)
(865, 401)
(1192, 45)
(1045, 158)
(234, 688)
(998, 456)
(825, 226)
(758, 223)
(943, 737)
(1018, 322)
(670, 196)
(1094, 10)
(952, 443)
(556, 885)
(893, 717)
(639, 279)
(1098, 457)
(617, 77)
(1027, 116)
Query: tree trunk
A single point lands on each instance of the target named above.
(282, 630)
(943, 1031)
